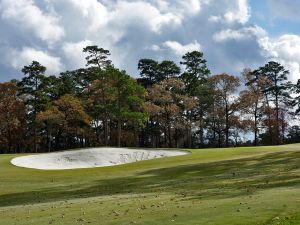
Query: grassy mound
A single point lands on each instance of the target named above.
(213, 186)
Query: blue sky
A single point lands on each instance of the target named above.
(233, 34)
(267, 15)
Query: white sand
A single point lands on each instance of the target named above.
(90, 158)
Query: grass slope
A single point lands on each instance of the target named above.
(213, 186)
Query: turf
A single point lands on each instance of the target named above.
(212, 186)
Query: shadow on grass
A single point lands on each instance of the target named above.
(215, 180)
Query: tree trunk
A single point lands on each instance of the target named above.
(9, 138)
(283, 126)
(227, 127)
(165, 136)
(176, 138)
(57, 139)
(269, 119)
(214, 132)
(49, 139)
(169, 136)
(105, 124)
(255, 128)
(201, 130)
(189, 133)
(119, 133)
(153, 144)
(35, 140)
(277, 121)
(136, 136)
(34, 117)
(219, 140)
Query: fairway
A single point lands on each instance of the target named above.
(255, 185)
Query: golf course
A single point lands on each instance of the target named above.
(254, 185)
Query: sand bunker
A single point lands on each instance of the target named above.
(90, 158)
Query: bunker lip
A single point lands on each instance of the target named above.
(91, 158)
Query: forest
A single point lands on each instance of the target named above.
(168, 106)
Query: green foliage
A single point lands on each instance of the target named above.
(196, 72)
(277, 91)
(148, 70)
(188, 109)
(167, 69)
(296, 101)
(67, 84)
(153, 72)
(276, 74)
(33, 86)
(97, 56)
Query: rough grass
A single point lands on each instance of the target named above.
(213, 186)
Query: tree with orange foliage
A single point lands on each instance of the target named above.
(167, 105)
(225, 104)
(251, 101)
(12, 116)
(68, 117)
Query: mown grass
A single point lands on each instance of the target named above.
(212, 186)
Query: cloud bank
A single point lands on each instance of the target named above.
(54, 33)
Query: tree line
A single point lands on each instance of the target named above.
(169, 105)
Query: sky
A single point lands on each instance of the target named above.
(232, 34)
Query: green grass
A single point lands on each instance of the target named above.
(213, 186)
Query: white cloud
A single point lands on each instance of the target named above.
(214, 19)
(179, 49)
(93, 11)
(286, 50)
(74, 53)
(286, 46)
(54, 33)
(143, 14)
(237, 11)
(19, 58)
(240, 13)
(192, 6)
(241, 34)
(181, 8)
(154, 48)
(24, 13)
